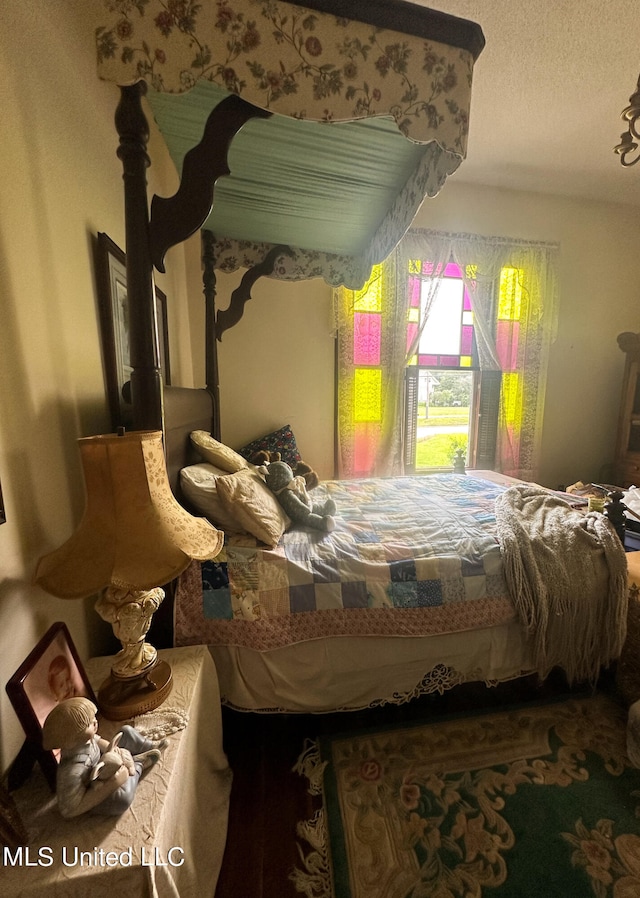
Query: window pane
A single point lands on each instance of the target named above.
(441, 334)
(443, 415)
(466, 342)
(369, 299)
(367, 333)
(510, 294)
(367, 394)
(507, 335)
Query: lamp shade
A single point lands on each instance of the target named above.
(133, 534)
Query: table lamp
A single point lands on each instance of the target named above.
(133, 535)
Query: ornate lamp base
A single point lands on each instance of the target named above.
(121, 699)
(139, 681)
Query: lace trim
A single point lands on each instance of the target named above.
(439, 679)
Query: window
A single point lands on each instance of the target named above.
(451, 405)
(487, 331)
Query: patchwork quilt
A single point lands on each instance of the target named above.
(410, 556)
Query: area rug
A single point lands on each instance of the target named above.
(531, 802)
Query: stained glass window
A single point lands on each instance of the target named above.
(448, 336)
(440, 381)
(368, 336)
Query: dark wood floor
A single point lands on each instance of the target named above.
(268, 799)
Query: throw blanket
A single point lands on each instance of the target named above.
(567, 575)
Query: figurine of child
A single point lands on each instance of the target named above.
(84, 782)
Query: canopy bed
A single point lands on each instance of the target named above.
(323, 129)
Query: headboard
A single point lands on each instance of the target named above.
(185, 410)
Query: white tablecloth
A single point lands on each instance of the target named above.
(169, 843)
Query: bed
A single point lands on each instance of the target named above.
(409, 595)
(307, 137)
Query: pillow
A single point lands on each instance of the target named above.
(217, 453)
(198, 485)
(282, 441)
(247, 497)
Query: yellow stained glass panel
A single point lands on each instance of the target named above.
(510, 302)
(511, 398)
(367, 387)
(369, 299)
(465, 361)
(415, 266)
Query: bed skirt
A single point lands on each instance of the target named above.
(336, 674)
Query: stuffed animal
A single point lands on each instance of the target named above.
(302, 469)
(265, 457)
(291, 492)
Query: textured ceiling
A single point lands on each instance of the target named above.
(548, 90)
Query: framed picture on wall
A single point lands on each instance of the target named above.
(50, 673)
(114, 324)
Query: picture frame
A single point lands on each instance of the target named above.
(50, 673)
(111, 268)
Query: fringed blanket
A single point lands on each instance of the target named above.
(567, 575)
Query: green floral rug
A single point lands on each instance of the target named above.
(535, 802)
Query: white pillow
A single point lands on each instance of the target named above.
(216, 453)
(198, 485)
(247, 497)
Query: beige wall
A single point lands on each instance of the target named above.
(61, 184)
(599, 298)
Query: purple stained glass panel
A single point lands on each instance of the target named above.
(466, 342)
(452, 271)
(414, 288)
(367, 336)
(412, 333)
(507, 336)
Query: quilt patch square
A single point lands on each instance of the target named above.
(302, 598)
(355, 595)
(216, 603)
(401, 571)
(325, 572)
(404, 594)
(276, 601)
(328, 595)
(429, 593)
(475, 587)
(472, 566)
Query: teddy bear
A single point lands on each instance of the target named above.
(302, 469)
(291, 492)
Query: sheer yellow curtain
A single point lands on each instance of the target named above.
(371, 349)
(525, 328)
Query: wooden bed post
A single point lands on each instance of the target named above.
(211, 343)
(146, 378)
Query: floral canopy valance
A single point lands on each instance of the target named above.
(317, 63)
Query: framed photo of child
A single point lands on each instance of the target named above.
(50, 673)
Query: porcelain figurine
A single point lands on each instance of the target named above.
(94, 774)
